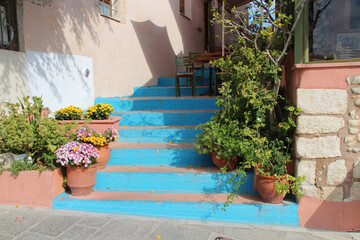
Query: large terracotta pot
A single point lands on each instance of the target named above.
(104, 152)
(266, 188)
(81, 180)
(222, 162)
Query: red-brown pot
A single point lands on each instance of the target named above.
(81, 180)
(104, 152)
(220, 163)
(266, 188)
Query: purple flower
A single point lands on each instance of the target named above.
(76, 154)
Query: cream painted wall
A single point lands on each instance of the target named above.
(12, 76)
(125, 55)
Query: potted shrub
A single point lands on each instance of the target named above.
(27, 135)
(271, 178)
(97, 117)
(80, 161)
(222, 141)
(99, 140)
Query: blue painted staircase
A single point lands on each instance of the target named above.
(155, 171)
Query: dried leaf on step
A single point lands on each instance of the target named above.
(158, 236)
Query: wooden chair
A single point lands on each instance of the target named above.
(198, 67)
(184, 69)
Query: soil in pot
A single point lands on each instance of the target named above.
(220, 163)
(266, 188)
(81, 180)
(104, 152)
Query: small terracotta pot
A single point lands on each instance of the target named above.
(266, 188)
(220, 163)
(81, 180)
(104, 152)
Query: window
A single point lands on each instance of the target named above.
(8, 25)
(334, 30)
(114, 9)
(185, 8)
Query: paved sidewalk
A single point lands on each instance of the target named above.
(38, 224)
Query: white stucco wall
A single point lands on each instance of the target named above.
(61, 80)
(58, 78)
(12, 76)
(125, 55)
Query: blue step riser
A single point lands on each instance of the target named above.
(159, 157)
(170, 82)
(163, 119)
(159, 135)
(170, 182)
(280, 214)
(160, 104)
(167, 91)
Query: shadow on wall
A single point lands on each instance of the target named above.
(58, 22)
(12, 76)
(156, 47)
(61, 79)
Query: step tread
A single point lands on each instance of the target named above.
(166, 111)
(160, 169)
(176, 197)
(166, 97)
(156, 127)
(133, 145)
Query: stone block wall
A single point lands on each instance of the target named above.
(328, 142)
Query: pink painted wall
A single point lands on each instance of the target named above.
(125, 55)
(31, 188)
(340, 216)
(320, 76)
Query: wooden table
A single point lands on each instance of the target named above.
(206, 58)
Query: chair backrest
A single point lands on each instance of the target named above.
(183, 64)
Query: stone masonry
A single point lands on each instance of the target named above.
(328, 142)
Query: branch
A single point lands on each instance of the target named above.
(291, 32)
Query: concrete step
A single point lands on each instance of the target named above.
(191, 206)
(160, 103)
(168, 179)
(158, 155)
(156, 91)
(164, 118)
(162, 134)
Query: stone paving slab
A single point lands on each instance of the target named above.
(42, 224)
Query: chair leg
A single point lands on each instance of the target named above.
(193, 86)
(202, 74)
(176, 86)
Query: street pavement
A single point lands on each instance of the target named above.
(38, 224)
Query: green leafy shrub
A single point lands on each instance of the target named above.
(22, 130)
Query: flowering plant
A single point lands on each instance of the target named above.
(89, 135)
(100, 111)
(69, 113)
(77, 154)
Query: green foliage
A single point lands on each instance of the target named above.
(23, 165)
(254, 119)
(222, 139)
(22, 130)
(289, 184)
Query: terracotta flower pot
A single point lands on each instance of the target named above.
(222, 162)
(104, 152)
(81, 180)
(266, 188)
